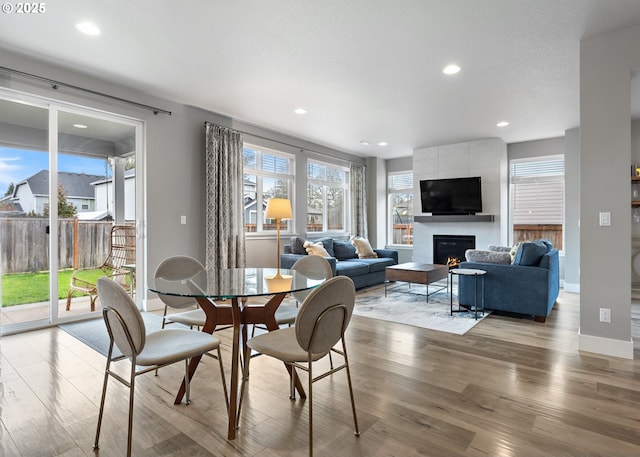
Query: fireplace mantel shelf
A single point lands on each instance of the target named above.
(456, 218)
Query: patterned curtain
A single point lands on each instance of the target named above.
(225, 247)
(358, 201)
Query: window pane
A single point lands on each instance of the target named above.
(315, 207)
(335, 206)
(250, 202)
(402, 218)
(250, 158)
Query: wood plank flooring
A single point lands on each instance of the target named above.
(509, 387)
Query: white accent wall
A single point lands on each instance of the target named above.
(485, 158)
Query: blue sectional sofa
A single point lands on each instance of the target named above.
(530, 285)
(344, 260)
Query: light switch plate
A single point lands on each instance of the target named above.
(183, 220)
(605, 219)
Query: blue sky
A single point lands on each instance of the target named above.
(18, 164)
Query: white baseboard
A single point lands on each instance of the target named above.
(605, 346)
(573, 288)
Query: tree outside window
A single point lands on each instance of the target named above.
(327, 197)
(400, 188)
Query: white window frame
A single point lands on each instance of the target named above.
(391, 191)
(547, 173)
(286, 226)
(325, 184)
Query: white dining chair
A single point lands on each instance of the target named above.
(145, 352)
(176, 268)
(312, 266)
(320, 324)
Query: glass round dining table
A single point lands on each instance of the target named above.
(235, 286)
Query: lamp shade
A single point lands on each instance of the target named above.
(278, 208)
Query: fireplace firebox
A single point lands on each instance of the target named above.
(450, 249)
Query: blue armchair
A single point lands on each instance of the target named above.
(523, 289)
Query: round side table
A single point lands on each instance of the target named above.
(463, 308)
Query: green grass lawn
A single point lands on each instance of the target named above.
(21, 288)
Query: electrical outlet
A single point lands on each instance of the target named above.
(605, 315)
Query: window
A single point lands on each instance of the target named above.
(400, 187)
(327, 197)
(537, 199)
(267, 174)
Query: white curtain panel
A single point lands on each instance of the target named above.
(225, 242)
(358, 200)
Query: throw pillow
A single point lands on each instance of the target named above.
(344, 250)
(297, 245)
(547, 243)
(475, 255)
(363, 247)
(328, 245)
(514, 251)
(316, 248)
(530, 254)
(498, 248)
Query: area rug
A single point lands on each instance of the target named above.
(94, 333)
(409, 306)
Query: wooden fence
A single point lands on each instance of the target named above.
(24, 244)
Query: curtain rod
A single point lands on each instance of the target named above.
(56, 84)
(299, 148)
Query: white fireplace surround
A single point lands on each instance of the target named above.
(485, 158)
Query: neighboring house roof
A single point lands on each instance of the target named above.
(75, 185)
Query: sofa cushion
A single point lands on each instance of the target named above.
(530, 253)
(363, 247)
(351, 268)
(316, 248)
(476, 255)
(377, 264)
(344, 250)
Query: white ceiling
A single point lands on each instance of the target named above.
(364, 69)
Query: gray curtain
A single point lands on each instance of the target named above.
(358, 200)
(225, 246)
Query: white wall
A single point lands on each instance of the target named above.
(484, 158)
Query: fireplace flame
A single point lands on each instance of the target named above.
(453, 261)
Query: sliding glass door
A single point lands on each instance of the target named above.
(68, 177)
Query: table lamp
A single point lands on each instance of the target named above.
(278, 209)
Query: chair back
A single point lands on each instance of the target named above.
(325, 314)
(122, 248)
(314, 267)
(174, 269)
(123, 319)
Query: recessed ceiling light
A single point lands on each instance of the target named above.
(365, 143)
(382, 143)
(80, 126)
(451, 69)
(300, 111)
(88, 28)
(502, 124)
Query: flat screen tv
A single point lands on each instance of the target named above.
(451, 196)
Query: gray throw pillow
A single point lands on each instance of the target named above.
(344, 250)
(297, 245)
(475, 255)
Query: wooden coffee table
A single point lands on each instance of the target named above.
(419, 273)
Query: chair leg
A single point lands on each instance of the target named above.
(245, 379)
(224, 382)
(102, 400)
(353, 402)
(131, 393)
(187, 384)
(310, 397)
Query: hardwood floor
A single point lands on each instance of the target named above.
(509, 387)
